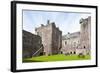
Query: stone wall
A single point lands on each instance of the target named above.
(31, 44)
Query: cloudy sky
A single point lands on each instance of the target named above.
(66, 21)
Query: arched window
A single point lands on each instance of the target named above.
(61, 52)
(65, 42)
(70, 52)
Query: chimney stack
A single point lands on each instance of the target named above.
(48, 21)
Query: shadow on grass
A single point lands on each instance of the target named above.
(29, 61)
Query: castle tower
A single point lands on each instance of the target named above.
(51, 38)
(85, 33)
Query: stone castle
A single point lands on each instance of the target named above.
(48, 40)
(78, 42)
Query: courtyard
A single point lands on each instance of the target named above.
(59, 57)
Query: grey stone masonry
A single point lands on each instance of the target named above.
(31, 44)
(51, 38)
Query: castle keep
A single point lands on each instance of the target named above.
(51, 38)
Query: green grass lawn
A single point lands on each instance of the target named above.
(59, 57)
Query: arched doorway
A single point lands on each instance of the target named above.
(84, 47)
(74, 52)
(71, 52)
